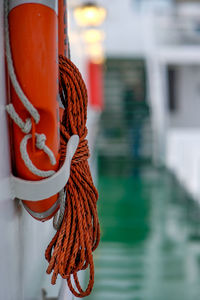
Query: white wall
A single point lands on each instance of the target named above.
(188, 98)
(183, 158)
(183, 134)
(123, 29)
(10, 277)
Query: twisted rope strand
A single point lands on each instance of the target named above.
(71, 248)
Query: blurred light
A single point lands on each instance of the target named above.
(90, 14)
(98, 60)
(93, 36)
(96, 53)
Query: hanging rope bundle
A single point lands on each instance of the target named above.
(78, 236)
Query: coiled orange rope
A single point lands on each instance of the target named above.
(71, 248)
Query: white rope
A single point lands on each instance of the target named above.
(27, 104)
(25, 126)
(40, 143)
(57, 220)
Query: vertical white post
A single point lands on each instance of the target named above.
(64, 293)
(157, 80)
(157, 74)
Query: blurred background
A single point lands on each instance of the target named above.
(141, 63)
(142, 67)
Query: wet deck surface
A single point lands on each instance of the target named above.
(150, 247)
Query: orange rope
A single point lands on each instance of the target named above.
(71, 248)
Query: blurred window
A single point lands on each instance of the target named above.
(172, 99)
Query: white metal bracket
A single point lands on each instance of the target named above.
(45, 188)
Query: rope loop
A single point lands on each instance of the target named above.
(24, 126)
(57, 220)
(27, 161)
(27, 126)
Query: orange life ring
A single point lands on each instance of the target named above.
(34, 47)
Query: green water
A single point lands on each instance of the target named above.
(150, 245)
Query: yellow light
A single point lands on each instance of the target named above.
(93, 36)
(98, 60)
(89, 14)
(96, 52)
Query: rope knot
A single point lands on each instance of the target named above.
(40, 141)
(27, 126)
(24, 126)
(40, 144)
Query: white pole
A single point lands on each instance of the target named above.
(64, 293)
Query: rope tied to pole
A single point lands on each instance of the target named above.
(78, 236)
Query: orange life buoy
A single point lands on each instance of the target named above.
(33, 42)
